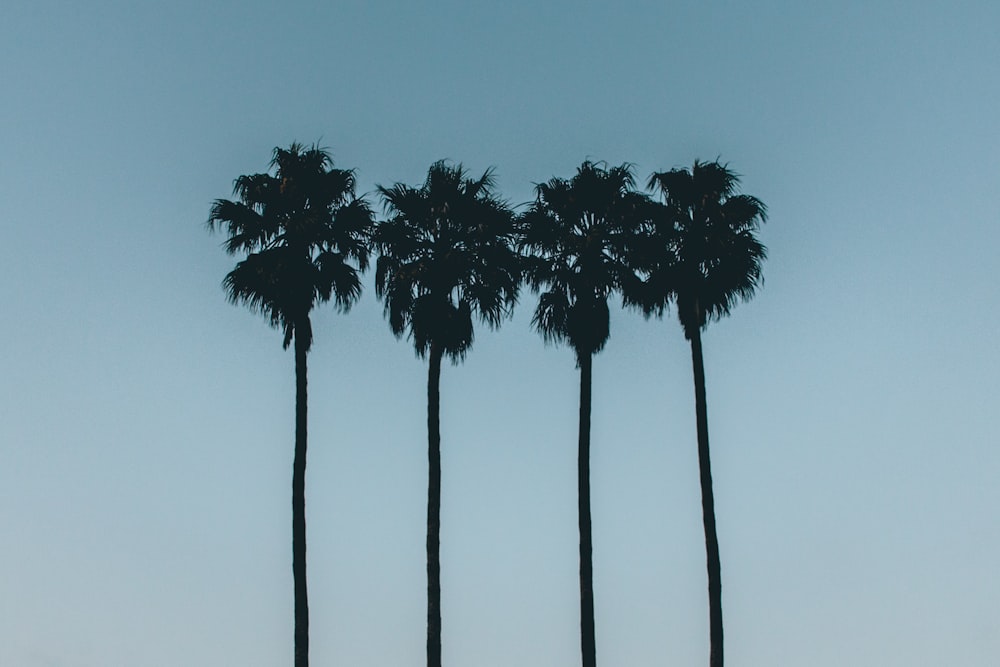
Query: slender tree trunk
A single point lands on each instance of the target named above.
(434, 509)
(587, 640)
(708, 506)
(299, 509)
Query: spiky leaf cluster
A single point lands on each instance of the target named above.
(446, 252)
(576, 238)
(700, 249)
(305, 235)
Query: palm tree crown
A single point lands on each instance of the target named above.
(445, 252)
(300, 227)
(701, 249)
(576, 236)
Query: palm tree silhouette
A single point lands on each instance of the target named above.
(575, 237)
(301, 228)
(701, 252)
(445, 252)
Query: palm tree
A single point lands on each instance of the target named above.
(301, 229)
(575, 236)
(702, 253)
(445, 252)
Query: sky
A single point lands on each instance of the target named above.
(146, 425)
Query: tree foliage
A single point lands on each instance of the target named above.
(446, 252)
(700, 248)
(305, 234)
(576, 238)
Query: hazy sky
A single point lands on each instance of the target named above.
(146, 425)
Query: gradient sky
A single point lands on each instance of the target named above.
(146, 425)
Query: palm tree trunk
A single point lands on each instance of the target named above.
(707, 506)
(434, 509)
(587, 640)
(299, 508)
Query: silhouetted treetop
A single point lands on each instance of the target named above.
(576, 237)
(445, 253)
(700, 250)
(305, 234)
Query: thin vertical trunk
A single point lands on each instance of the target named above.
(587, 640)
(434, 509)
(707, 506)
(299, 509)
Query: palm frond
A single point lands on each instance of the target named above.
(551, 315)
(248, 230)
(337, 279)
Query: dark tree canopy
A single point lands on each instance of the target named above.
(302, 228)
(445, 253)
(576, 237)
(700, 249)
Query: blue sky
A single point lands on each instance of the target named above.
(146, 424)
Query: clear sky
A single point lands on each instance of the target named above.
(146, 425)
